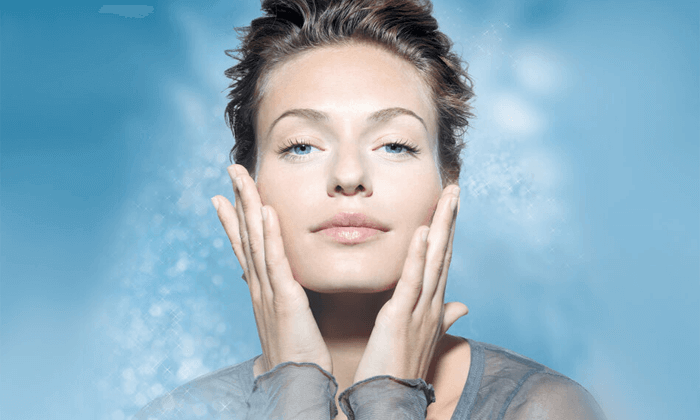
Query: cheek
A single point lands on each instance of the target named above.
(429, 215)
(289, 196)
(262, 193)
(272, 185)
(420, 199)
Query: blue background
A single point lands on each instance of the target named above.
(578, 236)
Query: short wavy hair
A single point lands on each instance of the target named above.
(403, 27)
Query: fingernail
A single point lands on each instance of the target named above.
(263, 211)
(215, 202)
(456, 191)
(453, 203)
(424, 235)
(239, 183)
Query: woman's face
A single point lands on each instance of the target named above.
(346, 139)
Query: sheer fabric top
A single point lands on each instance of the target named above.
(501, 385)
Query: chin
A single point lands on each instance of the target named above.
(333, 269)
(347, 284)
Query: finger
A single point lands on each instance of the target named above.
(408, 289)
(438, 240)
(453, 312)
(250, 199)
(278, 270)
(229, 220)
(250, 274)
(439, 297)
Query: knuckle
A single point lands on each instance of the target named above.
(279, 304)
(384, 319)
(235, 238)
(415, 286)
(255, 292)
(283, 307)
(257, 253)
(389, 312)
(237, 249)
(435, 266)
(274, 264)
(448, 255)
(255, 244)
(245, 205)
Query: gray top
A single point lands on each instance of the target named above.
(501, 385)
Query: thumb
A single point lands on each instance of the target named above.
(452, 312)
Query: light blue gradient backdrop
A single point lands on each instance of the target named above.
(577, 242)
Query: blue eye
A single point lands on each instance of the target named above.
(394, 148)
(295, 149)
(397, 148)
(301, 149)
(298, 148)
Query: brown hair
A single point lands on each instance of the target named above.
(403, 27)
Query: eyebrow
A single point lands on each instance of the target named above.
(383, 115)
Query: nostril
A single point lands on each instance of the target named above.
(339, 189)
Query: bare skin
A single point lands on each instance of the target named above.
(360, 310)
(446, 366)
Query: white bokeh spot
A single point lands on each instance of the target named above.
(540, 71)
(516, 116)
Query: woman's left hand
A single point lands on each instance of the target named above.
(410, 324)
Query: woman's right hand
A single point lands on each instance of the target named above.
(286, 325)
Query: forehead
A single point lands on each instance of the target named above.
(347, 82)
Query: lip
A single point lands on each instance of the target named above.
(350, 228)
(346, 219)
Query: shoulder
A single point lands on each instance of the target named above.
(518, 387)
(548, 395)
(218, 394)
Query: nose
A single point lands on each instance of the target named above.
(349, 174)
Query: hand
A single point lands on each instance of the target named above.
(286, 326)
(410, 324)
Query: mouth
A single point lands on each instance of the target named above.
(350, 235)
(351, 228)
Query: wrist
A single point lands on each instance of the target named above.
(385, 396)
(293, 390)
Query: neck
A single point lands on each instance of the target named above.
(346, 321)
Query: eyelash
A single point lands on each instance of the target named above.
(405, 144)
(285, 149)
(288, 146)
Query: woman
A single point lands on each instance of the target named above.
(348, 118)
